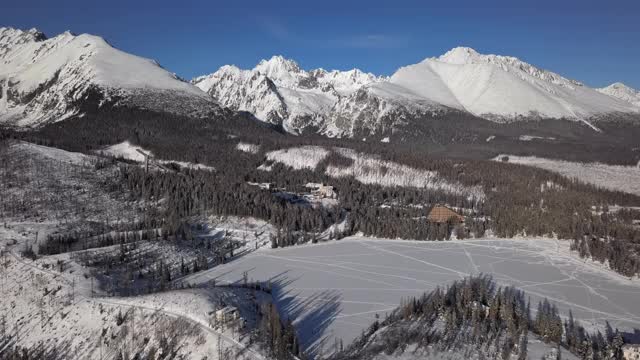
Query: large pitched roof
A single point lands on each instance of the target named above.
(442, 214)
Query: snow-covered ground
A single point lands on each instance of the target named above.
(61, 186)
(53, 302)
(533, 137)
(128, 151)
(335, 289)
(369, 169)
(304, 157)
(612, 177)
(54, 154)
(254, 233)
(248, 148)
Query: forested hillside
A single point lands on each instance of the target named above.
(475, 318)
(510, 199)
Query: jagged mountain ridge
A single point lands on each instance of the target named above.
(499, 88)
(44, 79)
(278, 91)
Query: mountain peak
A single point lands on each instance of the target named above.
(277, 63)
(9, 35)
(619, 86)
(459, 55)
(623, 92)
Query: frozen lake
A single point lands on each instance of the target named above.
(335, 289)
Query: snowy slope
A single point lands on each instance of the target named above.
(622, 92)
(62, 309)
(368, 169)
(128, 151)
(503, 87)
(43, 79)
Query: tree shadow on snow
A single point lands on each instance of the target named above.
(311, 315)
(632, 337)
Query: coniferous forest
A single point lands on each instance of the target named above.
(519, 200)
(482, 319)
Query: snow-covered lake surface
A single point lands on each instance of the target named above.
(337, 288)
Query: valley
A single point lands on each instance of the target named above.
(463, 206)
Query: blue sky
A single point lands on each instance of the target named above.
(597, 42)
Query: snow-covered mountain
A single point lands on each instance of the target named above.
(502, 87)
(278, 91)
(623, 92)
(499, 88)
(44, 80)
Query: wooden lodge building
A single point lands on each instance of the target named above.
(442, 214)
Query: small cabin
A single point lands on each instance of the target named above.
(321, 190)
(267, 186)
(442, 214)
(226, 314)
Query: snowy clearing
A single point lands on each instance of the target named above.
(612, 177)
(305, 157)
(335, 289)
(248, 148)
(128, 151)
(369, 169)
(50, 153)
(533, 137)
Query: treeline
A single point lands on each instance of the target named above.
(475, 313)
(203, 193)
(621, 256)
